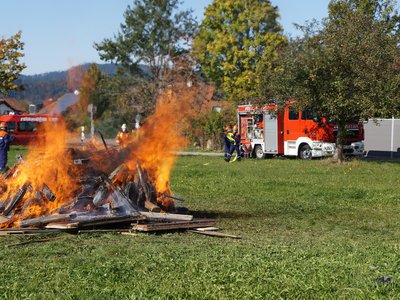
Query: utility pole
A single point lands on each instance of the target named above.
(92, 110)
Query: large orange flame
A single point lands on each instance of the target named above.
(49, 161)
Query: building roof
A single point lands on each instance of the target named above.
(61, 104)
(14, 104)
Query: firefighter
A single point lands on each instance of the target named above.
(228, 140)
(5, 140)
(122, 136)
(236, 143)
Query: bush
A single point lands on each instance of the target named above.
(206, 131)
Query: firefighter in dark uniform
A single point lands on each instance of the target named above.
(228, 140)
(237, 137)
(235, 143)
(5, 140)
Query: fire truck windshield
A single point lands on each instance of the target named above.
(26, 126)
(310, 114)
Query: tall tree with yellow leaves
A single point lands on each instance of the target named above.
(235, 38)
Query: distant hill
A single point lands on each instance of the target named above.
(53, 84)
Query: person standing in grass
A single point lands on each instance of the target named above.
(122, 136)
(235, 144)
(5, 140)
(236, 137)
(228, 140)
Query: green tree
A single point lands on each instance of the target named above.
(10, 66)
(234, 38)
(90, 93)
(119, 98)
(154, 34)
(209, 126)
(347, 69)
(383, 11)
(92, 90)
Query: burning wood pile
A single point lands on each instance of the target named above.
(120, 198)
(63, 188)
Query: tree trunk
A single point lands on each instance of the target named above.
(340, 140)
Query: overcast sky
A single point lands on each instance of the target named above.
(59, 34)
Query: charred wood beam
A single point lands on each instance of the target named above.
(141, 197)
(100, 196)
(117, 172)
(104, 141)
(4, 219)
(80, 161)
(5, 203)
(148, 190)
(151, 206)
(122, 199)
(131, 190)
(17, 198)
(48, 194)
(39, 222)
(91, 220)
(66, 206)
(173, 197)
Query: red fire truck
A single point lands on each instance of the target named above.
(289, 132)
(25, 128)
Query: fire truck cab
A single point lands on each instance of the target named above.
(289, 132)
(26, 127)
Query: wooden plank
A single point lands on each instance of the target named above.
(4, 219)
(166, 216)
(151, 206)
(208, 229)
(102, 220)
(48, 193)
(216, 234)
(100, 196)
(17, 198)
(146, 185)
(34, 241)
(173, 197)
(121, 168)
(55, 225)
(122, 199)
(102, 230)
(39, 222)
(8, 231)
(172, 225)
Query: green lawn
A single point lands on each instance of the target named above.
(310, 230)
(14, 151)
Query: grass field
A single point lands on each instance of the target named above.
(310, 230)
(14, 151)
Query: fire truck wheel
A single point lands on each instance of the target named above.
(258, 151)
(305, 152)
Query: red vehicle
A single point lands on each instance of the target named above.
(25, 128)
(269, 131)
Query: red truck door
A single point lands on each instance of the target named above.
(292, 129)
